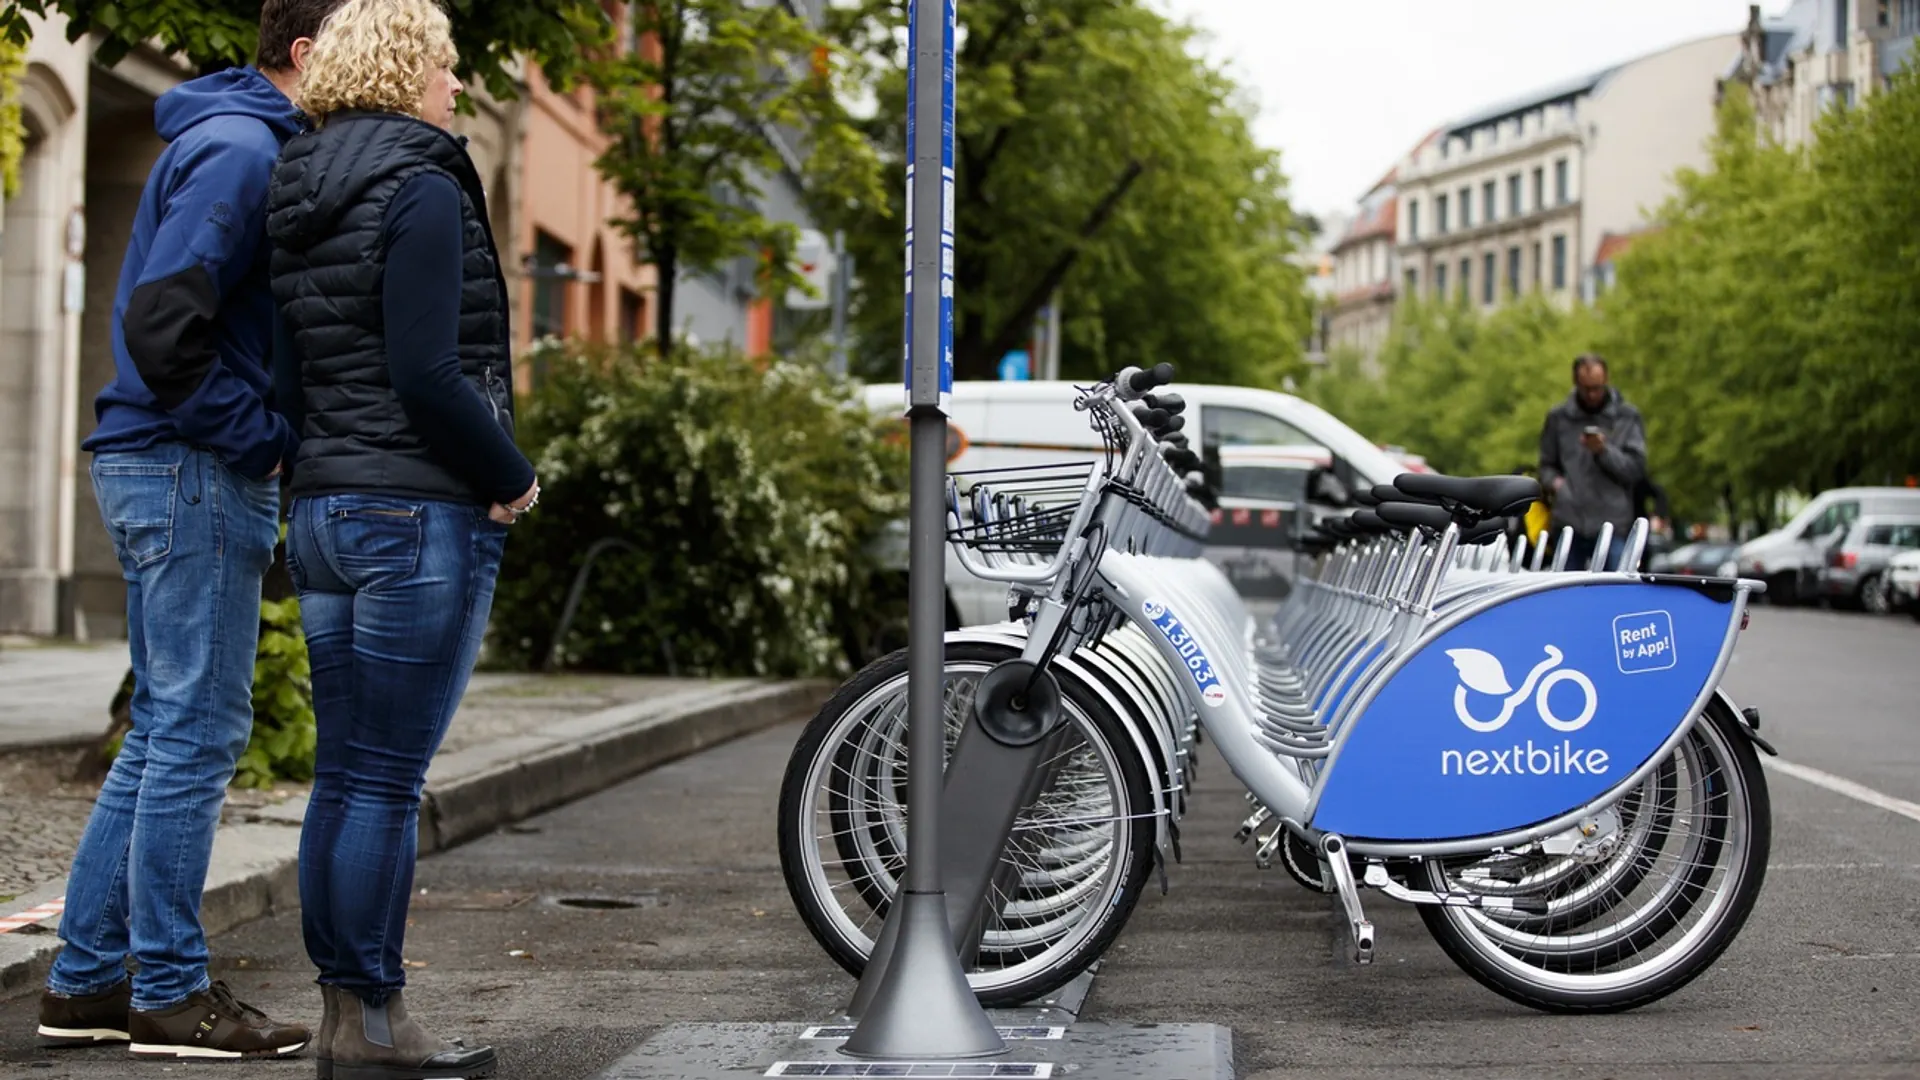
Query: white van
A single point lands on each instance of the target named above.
(1788, 559)
(1264, 443)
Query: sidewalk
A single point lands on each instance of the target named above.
(56, 693)
(519, 744)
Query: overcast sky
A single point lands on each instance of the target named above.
(1346, 86)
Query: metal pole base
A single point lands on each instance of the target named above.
(923, 1008)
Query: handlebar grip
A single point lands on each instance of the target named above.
(1173, 403)
(1150, 418)
(1159, 375)
(1174, 423)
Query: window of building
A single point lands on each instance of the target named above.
(1536, 265)
(1560, 182)
(633, 317)
(1440, 214)
(1559, 263)
(1840, 23)
(1539, 188)
(1487, 279)
(1488, 198)
(1413, 283)
(1907, 19)
(1413, 219)
(549, 288)
(1466, 208)
(1513, 270)
(1513, 195)
(1466, 279)
(1440, 281)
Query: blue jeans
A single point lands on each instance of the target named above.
(394, 597)
(194, 541)
(1580, 552)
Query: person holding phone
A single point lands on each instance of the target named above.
(1593, 455)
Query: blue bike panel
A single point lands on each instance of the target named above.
(1523, 712)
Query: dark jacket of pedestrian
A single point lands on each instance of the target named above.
(192, 315)
(1599, 486)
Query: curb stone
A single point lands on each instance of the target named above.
(471, 792)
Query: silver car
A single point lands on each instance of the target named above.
(1854, 571)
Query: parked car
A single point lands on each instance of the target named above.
(1700, 558)
(1903, 583)
(1788, 559)
(1855, 572)
(1259, 445)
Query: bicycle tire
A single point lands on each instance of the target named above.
(1131, 786)
(1451, 927)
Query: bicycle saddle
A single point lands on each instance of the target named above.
(1488, 495)
(1370, 523)
(1415, 515)
(1486, 532)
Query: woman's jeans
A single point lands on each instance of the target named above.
(394, 597)
(194, 541)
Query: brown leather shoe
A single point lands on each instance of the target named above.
(381, 1042)
(213, 1024)
(85, 1021)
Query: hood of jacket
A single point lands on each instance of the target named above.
(234, 92)
(324, 173)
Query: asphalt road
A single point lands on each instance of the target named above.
(1824, 981)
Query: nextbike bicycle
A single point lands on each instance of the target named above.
(1603, 876)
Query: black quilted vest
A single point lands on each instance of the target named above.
(325, 211)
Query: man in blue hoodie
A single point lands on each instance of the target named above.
(186, 453)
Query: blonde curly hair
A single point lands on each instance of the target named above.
(378, 55)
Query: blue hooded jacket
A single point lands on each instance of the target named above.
(193, 317)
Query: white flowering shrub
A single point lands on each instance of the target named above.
(750, 495)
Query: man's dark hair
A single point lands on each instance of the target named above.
(1583, 360)
(283, 22)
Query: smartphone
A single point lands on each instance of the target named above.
(1592, 430)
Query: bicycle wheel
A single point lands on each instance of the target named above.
(1074, 868)
(1693, 883)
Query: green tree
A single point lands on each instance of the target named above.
(1097, 161)
(217, 33)
(1864, 358)
(699, 113)
(1714, 319)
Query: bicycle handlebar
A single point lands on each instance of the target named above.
(1134, 382)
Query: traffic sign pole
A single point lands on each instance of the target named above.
(914, 1001)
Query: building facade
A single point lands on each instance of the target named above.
(1517, 198)
(1364, 270)
(1817, 55)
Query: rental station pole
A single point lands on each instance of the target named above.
(914, 1001)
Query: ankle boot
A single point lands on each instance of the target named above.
(329, 1022)
(381, 1042)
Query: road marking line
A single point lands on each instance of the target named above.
(1840, 785)
(10, 923)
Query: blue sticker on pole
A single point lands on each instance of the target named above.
(943, 343)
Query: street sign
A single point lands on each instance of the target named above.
(1015, 367)
(813, 257)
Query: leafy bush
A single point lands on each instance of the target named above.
(282, 744)
(736, 505)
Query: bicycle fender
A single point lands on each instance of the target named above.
(1441, 748)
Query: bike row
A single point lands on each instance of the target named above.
(1590, 840)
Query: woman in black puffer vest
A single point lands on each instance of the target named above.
(394, 366)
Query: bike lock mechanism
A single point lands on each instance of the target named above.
(1017, 703)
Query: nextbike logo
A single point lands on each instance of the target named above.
(1481, 673)
(1195, 660)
